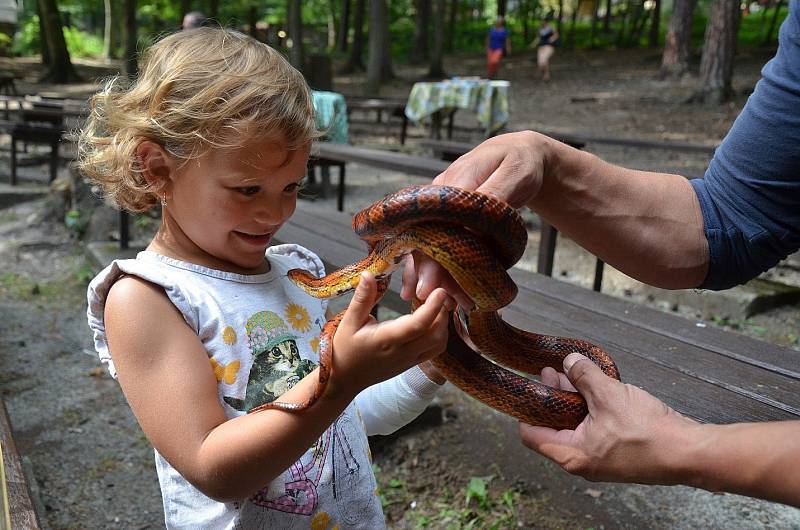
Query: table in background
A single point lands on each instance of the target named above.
(487, 99)
(330, 110)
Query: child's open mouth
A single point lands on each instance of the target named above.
(254, 239)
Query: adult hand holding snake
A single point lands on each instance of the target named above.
(652, 227)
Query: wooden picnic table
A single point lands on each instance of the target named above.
(706, 373)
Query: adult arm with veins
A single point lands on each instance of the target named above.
(648, 225)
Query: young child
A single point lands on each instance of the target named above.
(203, 326)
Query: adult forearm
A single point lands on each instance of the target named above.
(648, 225)
(754, 459)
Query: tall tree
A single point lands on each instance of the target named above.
(185, 7)
(675, 60)
(451, 25)
(773, 23)
(130, 36)
(295, 27)
(355, 61)
(108, 29)
(344, 27)
(501, 8)
(60, 69)
(719, 49)
(421, 26)
(655, 24)
(436, 70)
(379, 63)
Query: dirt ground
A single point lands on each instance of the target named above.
(458, 466)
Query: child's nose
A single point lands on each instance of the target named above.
(269, 214)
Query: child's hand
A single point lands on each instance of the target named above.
(366, 352)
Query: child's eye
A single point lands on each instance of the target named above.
(293, 187)
(249, 190)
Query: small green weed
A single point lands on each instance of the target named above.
(76, 222)
(741, 325)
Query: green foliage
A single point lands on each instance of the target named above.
(82, 44)
(76, 222)
(481, 508)
(745, 324)
(27, 40)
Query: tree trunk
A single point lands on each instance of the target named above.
(344, 27)
(423, 18)
(675, 60)
(773, 22)
(60, 66)
(719, 49)
(571, 35)
(295, 27)
(379, 66)
(42, 37)
(501, 8)
(107, 29)
(130, 36)
(436, 70)
(655, 24)
(560, 18)
(635, 26)
(607, 17)
(595, 20)
(355, 61)
(524, 14)
(451, 25)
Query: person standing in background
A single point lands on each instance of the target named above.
(497, 45)
(548, 36)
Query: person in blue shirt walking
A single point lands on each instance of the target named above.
(497, 45)
(712, 233)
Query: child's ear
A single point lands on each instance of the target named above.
(157, 165)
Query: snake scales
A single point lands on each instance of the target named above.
(476, 238)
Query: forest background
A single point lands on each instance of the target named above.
(411, 31)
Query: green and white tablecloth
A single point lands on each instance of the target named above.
(487, 99)
(331, 113)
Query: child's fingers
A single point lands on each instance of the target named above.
(358, 312)
(409, 327)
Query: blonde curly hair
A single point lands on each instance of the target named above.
(197, 89)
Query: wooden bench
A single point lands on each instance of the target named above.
(327, 154)
(38, 121)
(706, 373)
(15, 496)
(393, 107)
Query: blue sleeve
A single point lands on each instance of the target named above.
(750, 196)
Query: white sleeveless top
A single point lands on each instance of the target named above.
(261, 333)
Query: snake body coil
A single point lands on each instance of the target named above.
(476, 238)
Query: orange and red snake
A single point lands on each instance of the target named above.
(476, 238)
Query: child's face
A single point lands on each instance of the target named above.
(224, 207)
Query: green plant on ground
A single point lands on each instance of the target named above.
(76, 222)
(480, 508)
(746, 324)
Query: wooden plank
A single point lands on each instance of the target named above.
(764, 390)
(20, 505)
(687, 394)
(724, 343)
